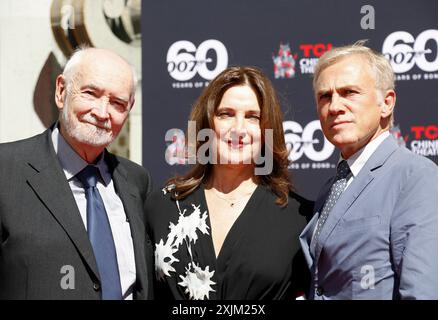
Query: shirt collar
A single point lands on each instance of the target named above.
(358, 160)
(71, 162)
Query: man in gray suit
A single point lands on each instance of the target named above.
(374, 234)
(71, 213)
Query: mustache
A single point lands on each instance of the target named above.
(101, 124)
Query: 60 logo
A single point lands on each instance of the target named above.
(404, 51)
(301, 141)
(184, 60)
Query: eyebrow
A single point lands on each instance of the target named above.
(231, 108)
(345, 87)
(91, 86)
(114, 98)
(322, 92)
(122, 100)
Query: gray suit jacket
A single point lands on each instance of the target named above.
(41, 230)
(380, 240)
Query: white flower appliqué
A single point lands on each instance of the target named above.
(197, 281)
(188, 225)
(164, 259)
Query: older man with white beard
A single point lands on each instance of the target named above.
(71, 213)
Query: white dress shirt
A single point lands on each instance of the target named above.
(72, 164)
(358, 160)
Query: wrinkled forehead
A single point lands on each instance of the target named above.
(104, 73)
(348, 71)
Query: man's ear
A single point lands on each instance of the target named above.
(388, 104)
(60, 91)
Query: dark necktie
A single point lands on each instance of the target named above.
(335, 191)
(101, 237)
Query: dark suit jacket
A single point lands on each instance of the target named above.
(42, 236)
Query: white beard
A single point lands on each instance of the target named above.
(86, 133)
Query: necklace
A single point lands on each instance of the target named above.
(233, 201)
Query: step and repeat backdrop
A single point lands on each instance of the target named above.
(185, 44)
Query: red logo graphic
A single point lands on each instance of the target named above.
(316, 49)
(428, 132)
(284, 62)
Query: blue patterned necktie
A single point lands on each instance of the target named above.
(101, 237)
(336, 189)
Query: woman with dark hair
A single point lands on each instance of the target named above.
(229, 228)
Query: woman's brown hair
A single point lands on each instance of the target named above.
(271, 117)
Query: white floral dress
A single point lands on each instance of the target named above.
(258, 259)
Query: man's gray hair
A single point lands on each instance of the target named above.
(75, 58)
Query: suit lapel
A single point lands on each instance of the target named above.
(358, 185)
(46, 178)
(306, 237)
(307, 233)
(133, 206)
(345, 201)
